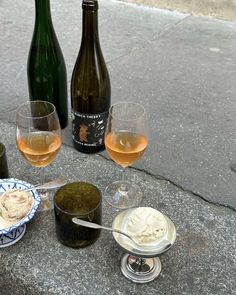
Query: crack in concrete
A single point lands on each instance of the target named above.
(161, 178)
(168, 29)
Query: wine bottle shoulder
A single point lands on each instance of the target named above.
(90, 66)
(46, 51)
(90, 55)
(45, 39)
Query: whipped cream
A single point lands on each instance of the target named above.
(14, 205)
(146, 225)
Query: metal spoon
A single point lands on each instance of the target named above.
(48, 185)
(98, 226)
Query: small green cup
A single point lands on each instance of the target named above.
(3, 162)
(82, 200)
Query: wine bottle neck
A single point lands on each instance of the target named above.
(90, 26)
(43, 13)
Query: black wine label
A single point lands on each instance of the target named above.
(88, 129)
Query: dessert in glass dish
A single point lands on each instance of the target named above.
(153, 233)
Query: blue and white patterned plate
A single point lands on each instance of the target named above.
(12, 234)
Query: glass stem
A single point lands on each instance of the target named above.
(42, 175)
(123, 186)
(45, 205)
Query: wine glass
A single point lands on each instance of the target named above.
(38, 137)
(126, 140)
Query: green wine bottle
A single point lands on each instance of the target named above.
(90, 86)
(46, 68)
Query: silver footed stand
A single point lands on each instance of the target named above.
(141, 264)
(140, 270)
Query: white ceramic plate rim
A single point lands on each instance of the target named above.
(10, 183)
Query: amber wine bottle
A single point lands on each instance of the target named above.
(90, 86)
(46, 68)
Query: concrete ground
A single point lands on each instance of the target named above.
(182, 68)
(202, 260)
(220, 9)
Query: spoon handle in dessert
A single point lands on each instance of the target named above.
(97, 226)
(86, 223)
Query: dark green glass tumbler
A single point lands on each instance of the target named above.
(84, 201)
(3, 162)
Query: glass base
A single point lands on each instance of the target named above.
(123, 194)
(140, 270)
(45, 204)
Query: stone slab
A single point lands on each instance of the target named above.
(202, 261)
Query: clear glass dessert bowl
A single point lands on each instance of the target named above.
(141, 264)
